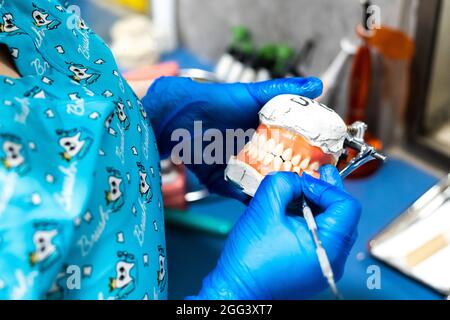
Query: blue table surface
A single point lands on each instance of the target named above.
(384, 195)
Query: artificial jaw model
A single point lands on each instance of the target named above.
(295, 134)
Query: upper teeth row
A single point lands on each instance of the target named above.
(269, 151)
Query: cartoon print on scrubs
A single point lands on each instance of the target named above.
(82, 25)
(161, 274)
(14, 153)
(35, 92)
(144, 188)
(124, 281)
(115, 197)
(9, 26)
(42, 19)
(46, 246)
(83, 75)
(79, 166)
(72, 144)
(121, 114)
(108, 122)
(56, 291)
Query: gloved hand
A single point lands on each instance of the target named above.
(270, 254)
(175, 103)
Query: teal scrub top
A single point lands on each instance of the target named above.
(81, 210)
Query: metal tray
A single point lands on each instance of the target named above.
(431, 212)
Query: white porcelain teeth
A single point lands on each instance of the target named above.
(287, 154)
(273, 155)
(268, 159)
(279, 149)
(296, 160)
(277, 162)
(255, 139)
(304, 164)
(262, 141)
(261, 150)
(314, 166)
(287, 166)
(251, 149)
(261, 155)
(271, 145)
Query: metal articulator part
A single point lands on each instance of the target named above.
(366, 153)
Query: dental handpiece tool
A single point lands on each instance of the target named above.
(366, 153)
(324, 262)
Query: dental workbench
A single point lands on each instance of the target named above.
(384, 196)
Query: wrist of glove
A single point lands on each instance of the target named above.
(216, 286)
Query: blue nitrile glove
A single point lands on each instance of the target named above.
(270, 253)
(174, 103)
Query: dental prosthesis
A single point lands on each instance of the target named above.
(295, 134)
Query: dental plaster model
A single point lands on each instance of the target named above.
(295, 134)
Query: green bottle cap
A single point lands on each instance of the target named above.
(240, 34)
(246, 48)
(267, 52)
(285, 53)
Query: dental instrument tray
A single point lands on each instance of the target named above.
(417, 243)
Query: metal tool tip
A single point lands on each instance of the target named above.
(380, 156)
